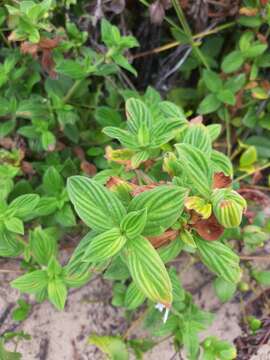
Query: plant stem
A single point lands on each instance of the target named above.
(267, 165)
(5, 39)
(8, 271)
(134, 324)
(177, 43)
(228, 133)
(72, 90)
(255, 258)
(186, 28)
(243, 310)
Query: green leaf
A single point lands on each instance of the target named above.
(138, 116)
(78, 278)
(143, 135)
(57, 293)
(65, 216)
(7, 127)
(187, 238)
(128, 42)
(32, 282)
(224, 290)
(133, 297)
(133, 223)
(212, 81)
(125, 138)
(23, 206)
(245, 40)
(218, 349)
(48, 140)
(262, 277)
(76, 271)
(221, 163)
(254, 50)
(232, 62)
(117, 270)
(47, 205)
(124, 63)
(196, 167)
(104, 245)
(99, 208)
(250, 21)
(226, 96)
(9, 245)
(72, 69)
(110, 34)
(209, 104)
(164, 206)
(220, 259)
(52, 181)
(106, 116)
(148, 271)
(214, 131)
(22, 311)
(118, 298)
(111, 345)
(198, 136)
(262, 144)
(170, 251)
(164, 130)
(43, 245)
(248, 157)
(14, 225)
(235, 83)
(179, 293)
(191, 339)
(34, 35)
(138, 158)
(8, 355)
(254, 236)
(170, 327)
(54, 268)
(173, 112)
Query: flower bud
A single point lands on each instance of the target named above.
(228, 207)
(254, 323)
(171, 165)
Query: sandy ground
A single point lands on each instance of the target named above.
(63, 335)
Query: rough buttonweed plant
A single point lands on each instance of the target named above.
(138, 226)
(152, 184)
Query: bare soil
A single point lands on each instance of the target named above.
(64, 335)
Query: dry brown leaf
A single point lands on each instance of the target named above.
(209, 229)
(165, 238)
(139, 189)
(248, 11)
(221, 181)
(88, 168)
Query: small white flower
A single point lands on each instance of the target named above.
(160, 307)
(166, 315)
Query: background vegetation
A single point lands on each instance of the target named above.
(133, 116)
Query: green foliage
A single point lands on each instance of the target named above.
(134, 174)
(114, 347)
(220, 259)
(213, 348)
(224, 290)
(22, 311)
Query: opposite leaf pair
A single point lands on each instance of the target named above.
(123, 230)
